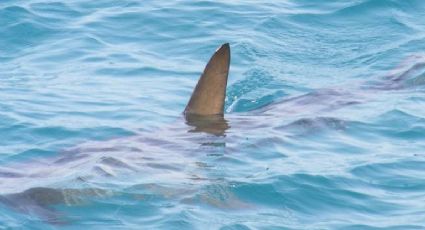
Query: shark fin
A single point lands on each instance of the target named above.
(209, 94)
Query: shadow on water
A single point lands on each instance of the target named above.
(167, 154)
(40, 201)
(110, 159)
(213, 124)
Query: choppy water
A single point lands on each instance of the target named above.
(326, 109)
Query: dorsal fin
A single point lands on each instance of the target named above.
(210, 92)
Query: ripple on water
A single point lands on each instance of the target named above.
(92, 93)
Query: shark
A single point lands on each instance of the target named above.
(168, 154)
(31, 192)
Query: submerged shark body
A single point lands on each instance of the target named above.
(168, 155)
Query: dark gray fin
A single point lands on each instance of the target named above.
(210, 92)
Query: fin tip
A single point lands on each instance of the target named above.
(210, 92)
(224, 46)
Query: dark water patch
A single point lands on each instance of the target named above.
(9, 174)
(410, 74)
(306, 125)
(70, 156)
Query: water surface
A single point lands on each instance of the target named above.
(92, 135)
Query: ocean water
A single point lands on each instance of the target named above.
(324, 129)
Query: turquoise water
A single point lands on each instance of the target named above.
(325, 115)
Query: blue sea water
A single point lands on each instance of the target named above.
(325, 108)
